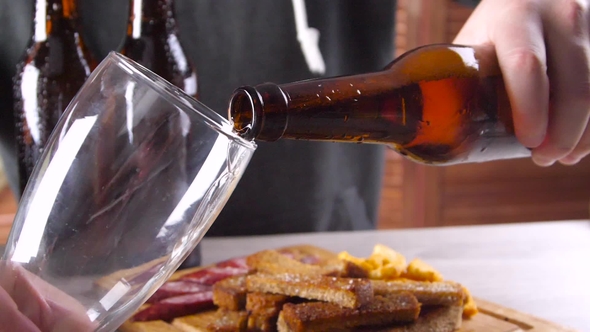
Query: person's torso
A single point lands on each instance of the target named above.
(289, 186)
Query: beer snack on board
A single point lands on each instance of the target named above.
(384, 262)
(309, 289)
(387, 264)
(420, 270)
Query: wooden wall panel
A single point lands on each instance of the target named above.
(514, 191)
(456, 16)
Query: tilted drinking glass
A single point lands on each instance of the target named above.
(132, 178)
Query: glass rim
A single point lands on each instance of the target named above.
(182, 99)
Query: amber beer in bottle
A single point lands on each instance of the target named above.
(437, 105)
(153, 41)
(53, 68)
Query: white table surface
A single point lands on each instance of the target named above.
(538, 268)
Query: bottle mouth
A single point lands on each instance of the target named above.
(242, 112)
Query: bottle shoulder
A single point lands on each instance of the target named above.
(53, 59)
(61, 38)
(158, 48)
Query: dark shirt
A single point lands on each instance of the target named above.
(289, 186)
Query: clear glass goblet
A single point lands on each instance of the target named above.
(132, 178)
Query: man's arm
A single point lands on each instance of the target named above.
(543, 48)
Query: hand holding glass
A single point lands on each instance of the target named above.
(133, 176)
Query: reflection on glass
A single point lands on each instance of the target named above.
(132, 178)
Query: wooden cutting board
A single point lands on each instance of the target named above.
(491, 317)
(496, 318)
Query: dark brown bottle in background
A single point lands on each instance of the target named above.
(152, 40)
(438, 105)
(55, 65)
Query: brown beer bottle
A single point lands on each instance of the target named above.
(152, 40)
(53, 68)
(438, 104)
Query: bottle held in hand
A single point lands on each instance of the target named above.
(437, 105)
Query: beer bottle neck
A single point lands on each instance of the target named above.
(147, 16)
(360, 108)
(47, 13)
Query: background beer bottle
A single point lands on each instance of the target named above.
(53, 68)
(437, 104)
(152, 40)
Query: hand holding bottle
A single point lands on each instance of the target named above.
(543, 48)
